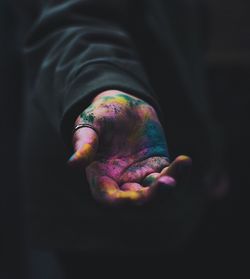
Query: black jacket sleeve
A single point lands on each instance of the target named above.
(78, 48)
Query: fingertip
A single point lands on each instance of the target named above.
(179, 167)
(167, 181)
(83, 155)
(186, 160)
(71, 161)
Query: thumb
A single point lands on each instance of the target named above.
(85, 142)
(180, 167)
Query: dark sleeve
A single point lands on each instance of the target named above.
(79, 48)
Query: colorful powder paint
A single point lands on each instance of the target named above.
(87, 117)
(132, 145)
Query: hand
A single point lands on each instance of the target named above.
(125, 155)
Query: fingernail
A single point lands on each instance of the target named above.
(167, 180)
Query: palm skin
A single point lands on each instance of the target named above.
(125, 157)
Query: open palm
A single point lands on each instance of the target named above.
(125, 155)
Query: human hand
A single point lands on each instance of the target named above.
(125, 154)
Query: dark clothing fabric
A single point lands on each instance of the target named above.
(76, 49)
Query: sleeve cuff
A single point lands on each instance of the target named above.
(94, 80)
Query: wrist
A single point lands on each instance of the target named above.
(112, 93)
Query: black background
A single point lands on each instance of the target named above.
(222, 234)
